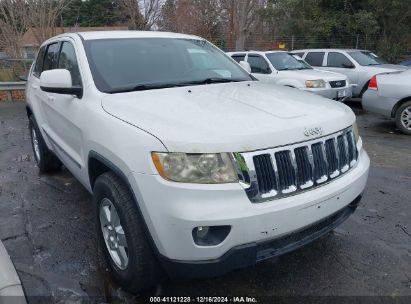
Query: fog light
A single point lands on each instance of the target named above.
(202, 231)
(210, 235)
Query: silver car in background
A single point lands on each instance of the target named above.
(358, 65)
(390, 95)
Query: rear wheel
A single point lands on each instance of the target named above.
(121, 233)
(45, 159)
(403, 118)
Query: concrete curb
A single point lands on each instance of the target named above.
(11, 290)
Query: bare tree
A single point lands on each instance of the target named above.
(244, 18)
(13, 23)
(142, 14)
(43, 15)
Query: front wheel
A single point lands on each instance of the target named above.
(403, 118)
(121, 233)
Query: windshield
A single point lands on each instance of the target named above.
(366, 58)
(285, 61)
(124, 65)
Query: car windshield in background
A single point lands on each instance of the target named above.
(286, 62)
(125, 65)
(366, 58)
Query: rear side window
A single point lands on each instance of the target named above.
(238, 58)
(315, 58)
(50, 60)
(39, 62)
(68, 61)
(258, 64)
(338, 60)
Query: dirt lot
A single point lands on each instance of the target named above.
(48, 227)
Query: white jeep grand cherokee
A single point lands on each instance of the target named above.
(195, 168)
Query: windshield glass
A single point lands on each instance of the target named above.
(123, 65)
(285, 61)
(365, 58)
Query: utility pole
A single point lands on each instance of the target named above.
(358, 38)
(231, 28)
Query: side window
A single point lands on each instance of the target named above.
(39, 62)
(68, 61)
(315, 58)
(258, 64)
(338, 60)
(238, 58)
(50, 60)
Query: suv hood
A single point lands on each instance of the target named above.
(233, 117)
(313, 74)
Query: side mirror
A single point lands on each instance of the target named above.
(59, 81)
(348, 65)
(246, 66)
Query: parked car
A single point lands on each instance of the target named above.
(406, 63)
(10, 285)
(390, 95)
(289, 70)
(195, 168)
(358, 65)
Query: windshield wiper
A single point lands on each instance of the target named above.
(212, 80)
(146, 87)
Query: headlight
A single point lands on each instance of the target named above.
(355, 132)
(315, 84)
(210, 168)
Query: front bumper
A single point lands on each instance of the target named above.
(249, 254)
(172, 210)
(333, 93)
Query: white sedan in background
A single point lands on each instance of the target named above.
(283, 68)
(390, 95)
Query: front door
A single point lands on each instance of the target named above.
(63, 113)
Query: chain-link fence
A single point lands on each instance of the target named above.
(392, 53)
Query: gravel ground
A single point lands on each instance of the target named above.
(47, 224)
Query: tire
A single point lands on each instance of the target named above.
(45, 159)
(142, 270)
(403, 118)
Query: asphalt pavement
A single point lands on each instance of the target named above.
(47, 224)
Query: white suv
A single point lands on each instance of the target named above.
(283, 68)
(195, 168)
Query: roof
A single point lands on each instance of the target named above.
(133, 34)
(4, 55)
(327, 50)
(255, 52)
(29, 38)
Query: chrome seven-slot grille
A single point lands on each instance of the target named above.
(291, 169)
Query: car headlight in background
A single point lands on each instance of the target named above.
(355, 132)
(315, 84)
(209, 168)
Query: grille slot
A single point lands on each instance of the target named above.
(320, 164)
(338, 84)
(282, 171)
(286, 173)
(265, 173)
(332, 159)
(304, 168)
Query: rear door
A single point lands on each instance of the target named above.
(65, 113)
(260, 68)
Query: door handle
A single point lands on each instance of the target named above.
(34, 86)
(50, 98)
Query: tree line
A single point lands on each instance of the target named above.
(385, 25)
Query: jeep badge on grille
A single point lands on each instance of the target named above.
(315, 131)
